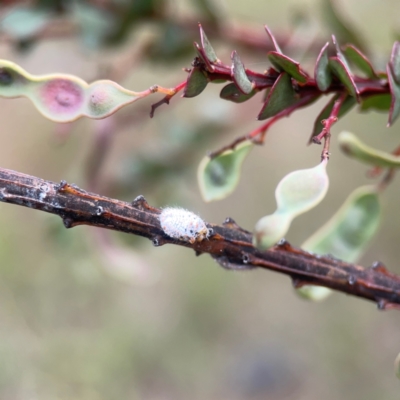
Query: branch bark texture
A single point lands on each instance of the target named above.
(230, 245)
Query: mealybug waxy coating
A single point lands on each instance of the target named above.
(184, 225)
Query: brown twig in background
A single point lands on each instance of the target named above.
(230, 245)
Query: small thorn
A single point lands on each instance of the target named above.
(381, 304)
(68, 222)
(61, 186)
(99, 210)
(140, 203)
(246, 259)
(352, 280)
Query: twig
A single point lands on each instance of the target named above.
(230, 245)
(258, 135)
(333, 117)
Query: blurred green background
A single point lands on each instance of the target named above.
(90, 315)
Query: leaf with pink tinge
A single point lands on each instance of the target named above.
(284, 63)
(360, 61)
(322, 72)
(395, 92)
(395, 61)
(344, 75)
(239, 74)
(208, 49)
(273, 40)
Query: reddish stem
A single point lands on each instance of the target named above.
(262, 130)
(167, 98)
(333, 117)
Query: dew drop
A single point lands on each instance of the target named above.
(351, 280)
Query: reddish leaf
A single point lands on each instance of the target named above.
(360, 61)
(284, 63)
(344, 75)
(395, 61)
(395, 92)
(322, 72)
(273, 40)
(239, 74)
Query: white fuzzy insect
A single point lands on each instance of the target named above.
(184, 225)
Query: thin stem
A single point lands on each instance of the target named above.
(258, 135)
(333, 117)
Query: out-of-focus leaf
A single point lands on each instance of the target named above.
(344, 75)
(218, 177)
(378, 102)
(95, 24)
(338, 26)
(395, 92)
(395, 61)
(232, 93)
(346, 235)
(360, 61)
(195, 83)
(296, 193)
(284, 63)
(347, 104)
(208, 49)
(23, 22)
(355, 148)
(281, 96)
(322, 72)
(397, 366)
(239, 74)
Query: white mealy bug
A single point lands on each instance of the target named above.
(183, 225)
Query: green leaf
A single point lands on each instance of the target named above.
(347, 104)
(196, 83)
(347, 234)
(355, 148)
(208, 49)
(218, 177)
(239, 74)
(284, 63)
(378, 102)
(322, 72)
(360, 61)
(344, 75)
(232, 93)
(296, 193)
(395, 61)
(23, 22)
(281, 96)
(95, 24)
(395, 92)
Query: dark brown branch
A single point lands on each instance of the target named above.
(229, 245)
